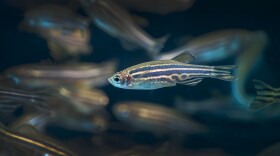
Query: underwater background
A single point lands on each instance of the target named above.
(234, 137)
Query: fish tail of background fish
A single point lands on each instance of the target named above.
(224, 72)
(266, 95)
(159, 44)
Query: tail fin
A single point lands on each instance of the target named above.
(225, 72)
(266, 95)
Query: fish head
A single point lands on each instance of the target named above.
(121, 80)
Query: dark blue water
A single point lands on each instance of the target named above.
(235, 137)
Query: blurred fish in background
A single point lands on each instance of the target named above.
(51, 75)
(216, 46)
(66, 32)
(223, 106)
(28, 137)
(11, 99)
(155, 118)
(247, 62)
(117, 22)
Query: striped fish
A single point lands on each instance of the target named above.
(266, 95)
(167, 73)
(11, 99)
(33, 142)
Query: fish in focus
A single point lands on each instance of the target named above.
(117, 22)
(67, 33)
(168, 73)
(162, 7)
(266, 95)
(216, 46)
(155, 118)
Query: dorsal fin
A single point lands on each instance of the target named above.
(184, 57)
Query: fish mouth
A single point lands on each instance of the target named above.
(110, 80)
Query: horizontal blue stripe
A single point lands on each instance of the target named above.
(163, 67)
(169, 72)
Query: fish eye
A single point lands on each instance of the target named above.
(117, 78)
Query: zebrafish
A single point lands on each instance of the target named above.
(93, 123)
(84, 100)
(156, 118)
(117, 22)
(266, 95)
(217, 45)
(11, 99)
(248, 62)
(38, 120)
(168, 73)
(67, 33)
(53, 75)
(216, 106)
(24, 140)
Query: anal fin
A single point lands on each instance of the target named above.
(191, 82)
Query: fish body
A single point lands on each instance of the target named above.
(155, 118)
(222, 106)
(116, 21)
(38, 120)
(54, 16)
(11, 99)
(85, 100)
(248, 62)
(27, 141)
(67, 33)
(266, 95)
(94, 123)
(50, 75)
(215, 46)
(167, 73)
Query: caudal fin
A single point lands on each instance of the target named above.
(266, 95)
(224, 72)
